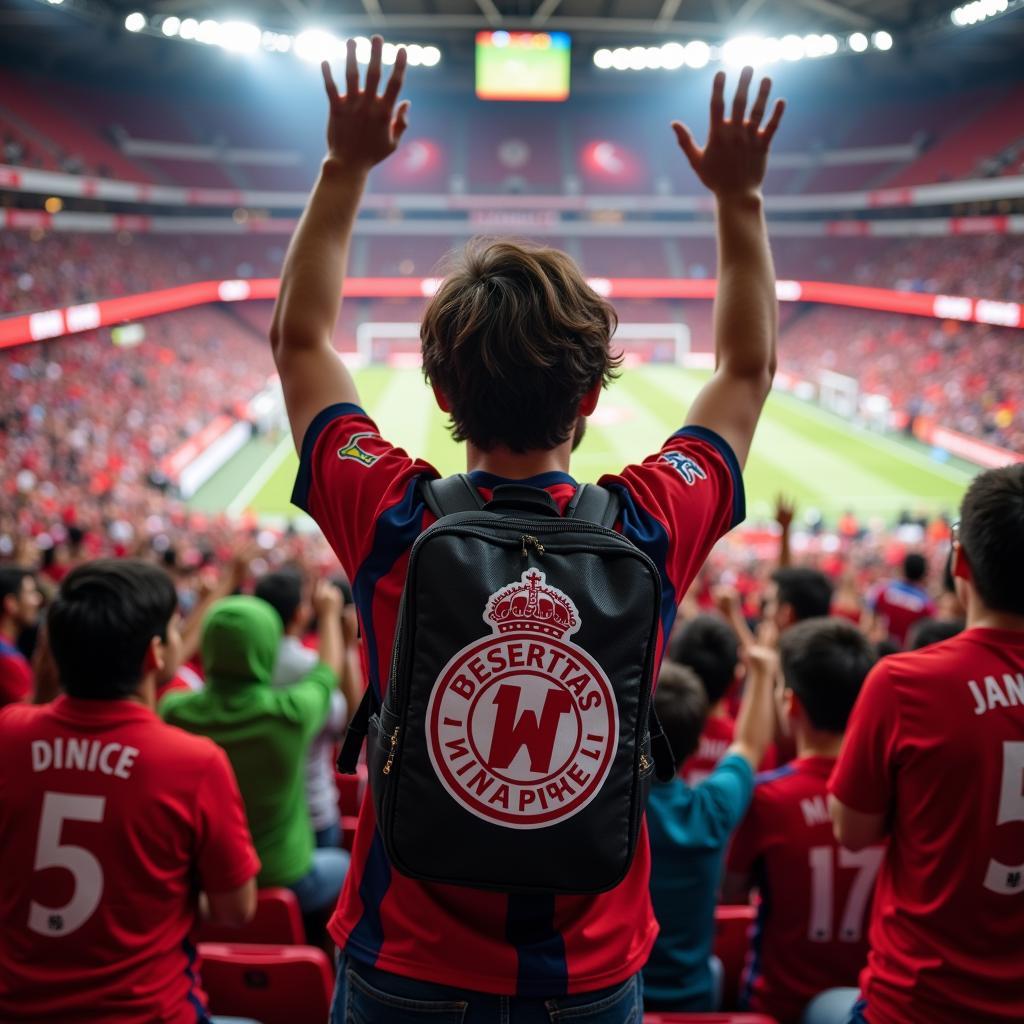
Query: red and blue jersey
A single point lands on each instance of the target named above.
(365, 495)
(899, 605)
(935, 744)
(811, 931)
(110, 824)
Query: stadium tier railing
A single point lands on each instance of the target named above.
(53, 323)
(534, 225)
(54, 183)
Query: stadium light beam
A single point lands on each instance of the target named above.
(882, 40)
(858, 42)
(135, 22)
(603, 59)
(698, 53)
(170, 26)
(188, 29)
(239, 37)
(316, 44)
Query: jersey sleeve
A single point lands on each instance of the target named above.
(225, 853)
(349, 477)
(725, 796)
(679, 501)
(863, 776)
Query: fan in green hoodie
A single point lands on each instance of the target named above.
(264, 731)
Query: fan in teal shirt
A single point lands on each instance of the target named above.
(690, 828)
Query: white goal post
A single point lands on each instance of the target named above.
(398, 343)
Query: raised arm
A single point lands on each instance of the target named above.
(732, 165)
(363, 128)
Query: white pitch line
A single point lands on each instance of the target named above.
(256, 482)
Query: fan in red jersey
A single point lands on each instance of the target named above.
(112, 822)
(814, 895)
(934, 758)
(516, 347)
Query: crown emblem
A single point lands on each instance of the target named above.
(530, 606)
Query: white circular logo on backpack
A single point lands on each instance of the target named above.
(522, 725)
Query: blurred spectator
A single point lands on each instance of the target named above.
(814, 896)
(266, 733)
(933, 759)
(286, 592)
(794, 594)
(19, 610)
(897, 604)
(710, 647)
(926, 632)
(139, 817)
(690, 829)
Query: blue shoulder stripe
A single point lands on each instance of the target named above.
(304, 479)
(719, 443)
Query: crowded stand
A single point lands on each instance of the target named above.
(507, 746)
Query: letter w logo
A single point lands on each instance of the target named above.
(512, 734)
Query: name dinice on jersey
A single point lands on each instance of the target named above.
(522, 724)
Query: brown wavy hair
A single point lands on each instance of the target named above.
(514, 338)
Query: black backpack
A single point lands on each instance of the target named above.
(517, 739)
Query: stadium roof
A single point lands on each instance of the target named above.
(925, 36)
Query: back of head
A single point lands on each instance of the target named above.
(682, 708)
(11, 579)
(807, 591)
(514, 339)
(240, 639)
(282, 590)
(709, 646)
(914, 567)
(102, 623)
(932, 631)
(992, 537)
(824, 662)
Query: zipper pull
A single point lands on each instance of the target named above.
(391, 753)
(529, 541)
(644, 763)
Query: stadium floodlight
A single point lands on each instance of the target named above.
(413, 54)
(363, 49)
(743, 50)
(135, 22)
(620, 58)
(698, 53)
(239, 37)
(189, 28)
(830, 44)
(317, 44)
(209, 31)
(858, 42)
(637, 58)
(793, 47)
(170, 26)
(603, 58)
(673, 55)
(55, 3)
(431, 56)
(882, 40)
(654, 57)
(814, 46)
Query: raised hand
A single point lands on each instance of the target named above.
(785, 508)
(735, 157)
(364, 128)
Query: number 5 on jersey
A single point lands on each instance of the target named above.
(84, 867)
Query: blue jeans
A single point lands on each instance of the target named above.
(365, 995)
(836, 1006)
(319, 887)
(328, 838)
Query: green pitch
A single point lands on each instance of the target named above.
(799, 450)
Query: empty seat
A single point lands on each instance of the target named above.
(278, 920)
(271, 984)
(732, 939)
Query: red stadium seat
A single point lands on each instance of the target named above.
(732, 939)
(271, 984)
(708, 1018)
(278, 920)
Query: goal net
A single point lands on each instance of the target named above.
(398, 344)
(839, 393)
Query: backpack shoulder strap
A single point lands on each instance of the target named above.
(355, 734)
(594, 504)
(451, 494)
